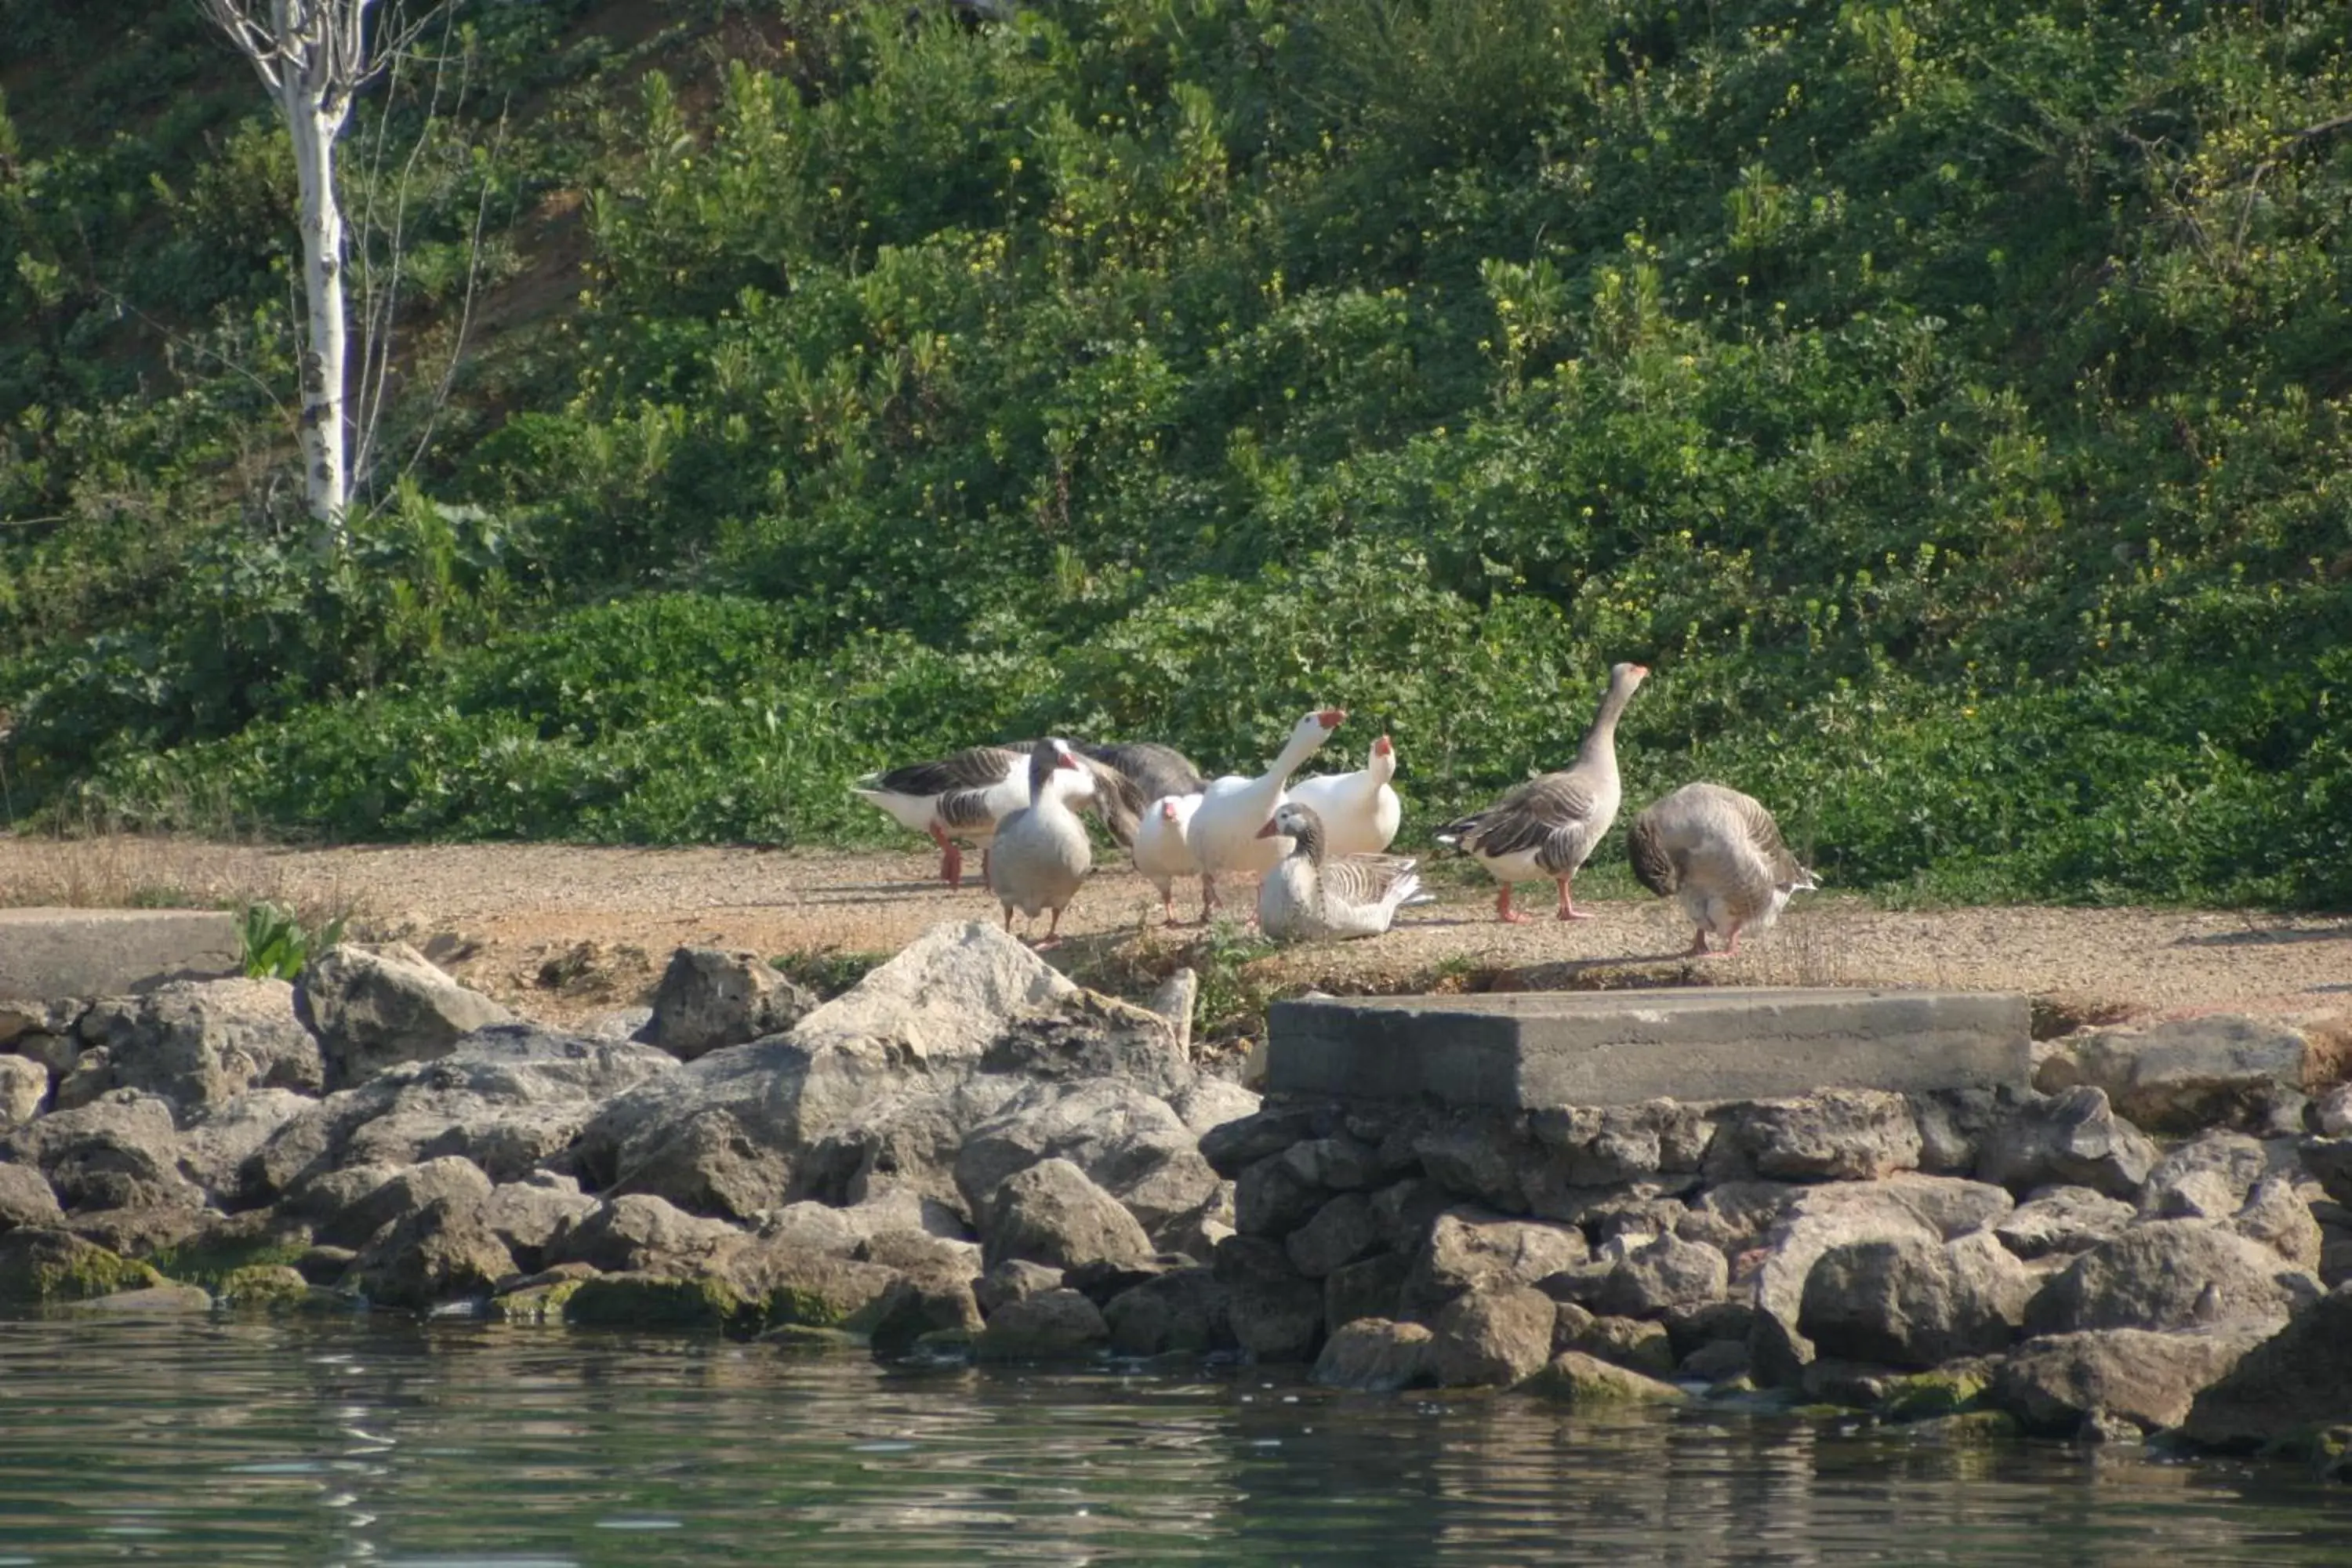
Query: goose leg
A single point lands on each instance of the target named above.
(1008, 919)
(1698, 943)
(950, 857)
(1731, 949)
(1567, 909)
(1052, 937)
(1208, 895)
(1502, 910)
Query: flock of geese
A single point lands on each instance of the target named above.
(1318, 846)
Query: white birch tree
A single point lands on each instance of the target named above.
(314, 56)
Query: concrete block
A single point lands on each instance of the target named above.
(1532, 1049)
(48, 953)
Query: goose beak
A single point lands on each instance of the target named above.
(1167, 811)
(1383, 747)
(1268, 832)
(1332, 717)
(1640, 672)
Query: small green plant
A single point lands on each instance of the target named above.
(827, 970)
(277, 944)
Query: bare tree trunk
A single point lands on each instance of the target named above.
(315, 110)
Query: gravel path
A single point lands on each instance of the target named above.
(564, 930)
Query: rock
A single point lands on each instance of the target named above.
(1581, 1381)
(23, 1091)
(266, 1287)
(640, 1234)
(1667, 1275)
(85, 1082)
(221, 1137)
(1735, 1216)
(1271, 1198)
(710, 997)
(1404, 1212)
(781, 1285)
(1470, 1250)
(1374, 1355)
(1052, 1213)
(1481, 1155)
(40, 1267)
(198, 1043)
(1838, 1134)
(1057, 1325)
(1645, 1347)
(1813, 1224)
(375, 1007)
(1341, 1232)
(2283, 1391)
(1366, 1290)
(1909, 1301)
(26, 1200)
(2172, 1274)
(2206, 1178)
(927, 1298)
(528, 1216)
(659, 1303)
(150, 1299)
(1275, 1314)
(2074, 1140)
(1231, 1147)
(2063, 1220)
(22, 1019)
(1015, 1280)
(1491, 1338)
(441, 1252)
(53, 1053)
(1183, 1310)
(2275, 1216)
(1209, 1103)
(2330, 1114)
(120, 1151)
(1130, 1143)
(2192, 1073)
(1952, 1124)
(451, 1182)
(2330, 1161)
(2053, 1384)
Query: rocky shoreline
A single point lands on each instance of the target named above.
(966, 1155)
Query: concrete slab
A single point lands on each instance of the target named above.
(50, 954)
(1532, 1049)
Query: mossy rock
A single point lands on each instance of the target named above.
(647, 1301)
(271, 1288)
(43, 1268)
(1584, 1381)
(212, 1262)
(1968, 1428)
(1928, 1395)
(538, 1304)
(807, 1339)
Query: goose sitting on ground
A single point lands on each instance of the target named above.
(1719, 853)
(1042, 854)
(1314, 895)
(1548, 826)
(1164, 850)
(1134, 774)
(1225, 831)
(962, 796)
(1359, 810)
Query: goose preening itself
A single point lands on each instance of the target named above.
(1042, 854)
(1360, 811)
(1224, 830)
(1547, 826)
(1164, 850)
(1313, 895)
(962, 796)
(1719, 853)
(1133, 776)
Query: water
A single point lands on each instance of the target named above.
(351, 1442)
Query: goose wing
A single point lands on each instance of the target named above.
(1550, 817)
(1363, 879)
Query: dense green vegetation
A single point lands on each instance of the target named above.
(1949, 400)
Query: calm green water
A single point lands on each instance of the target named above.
(363, 1443)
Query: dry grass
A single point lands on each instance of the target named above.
(119, 870)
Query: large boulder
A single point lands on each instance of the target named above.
(528, 1216)
(219, 1137)
(375, 1007)
(1051, 1213)
(441, 1252)
(357, 1202)
(641, 1234)
(1584, 1382)
(2063, 1220)
(710, 997)
(1056, 1325)
(120, 1151)
(1909, 1301)
(2058, 1383)
(1838, 1134)
(1666, 1275)
(2075, 1138)
(1374, 1355)
(1811, 1226)
(40, 1266)
(1340, 1232)
(1470, 1250)
(2286, 1389)
(198, 1043)
(1131, 1143)
(2275, 1215)
(1496, 1338)
(2172, 1274)
(23, 1091)
(2186, 1074)
(1183, 1310)
(1275, 1314)
(26, 1199)
(2205, 1178)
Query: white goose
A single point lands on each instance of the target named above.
(1224, 830)
(1042, 855)
(1548, 826)
(1164, 850)
(962, 796)
(1719, 853)
(1314, 895)
(1360, 811)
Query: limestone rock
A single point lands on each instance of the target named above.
(1369, 1289)
(1915, 1302)
(440, 1252)
(1374, 1355)
(1341, 1232)
(1052, 1213)
(2192, 1073)
(1275, 1314)
(26, 1199)
(2278, 1218)
(1057, 1325)
(2205, 1178)
(2330, 1159)
(1182, 1310)
(2172, 1274)
(1491, 1338)
(710, 997)
(638, 1232)
(2063, 1220)
(1666, 1275)
(1734, 1217)
(221, 1137)
(1645, 1347)
(1581, 1381)
(1813, 1224)
(1130, 1143)
(783, 1285)
(120, 1151)
(2285, 1389)
(2331, 1113)
(375, 1007)
(1015, 1280)
(528, 1216)
(1838, 1134)
(40, 1267)
(2075, 1138)
(2055, 1384)
(198, 1043)
(1471, 1249)
(933, 1297)
(1233, 1146)
(450, 1181)
(1209, 1103)
(23, 1091)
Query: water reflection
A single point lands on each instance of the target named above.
(444, 1445)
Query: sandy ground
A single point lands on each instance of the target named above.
(564, 931)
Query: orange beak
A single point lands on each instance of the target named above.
(1383, 747)
(1332, 717)
(1167, 811)
(1268, 832)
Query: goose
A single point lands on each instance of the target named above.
(1548, 826)
(1719, 853)
(1133, 776)
(964, 797)
(1314, 894)
(1042, 854)
(1224, 830)
(1164, 850)
(1359, 810)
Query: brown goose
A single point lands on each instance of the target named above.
(1130, 776)
(961, 796)
(1041, 855)
(1548, 826)
(1312, 895)
(1719, 853)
